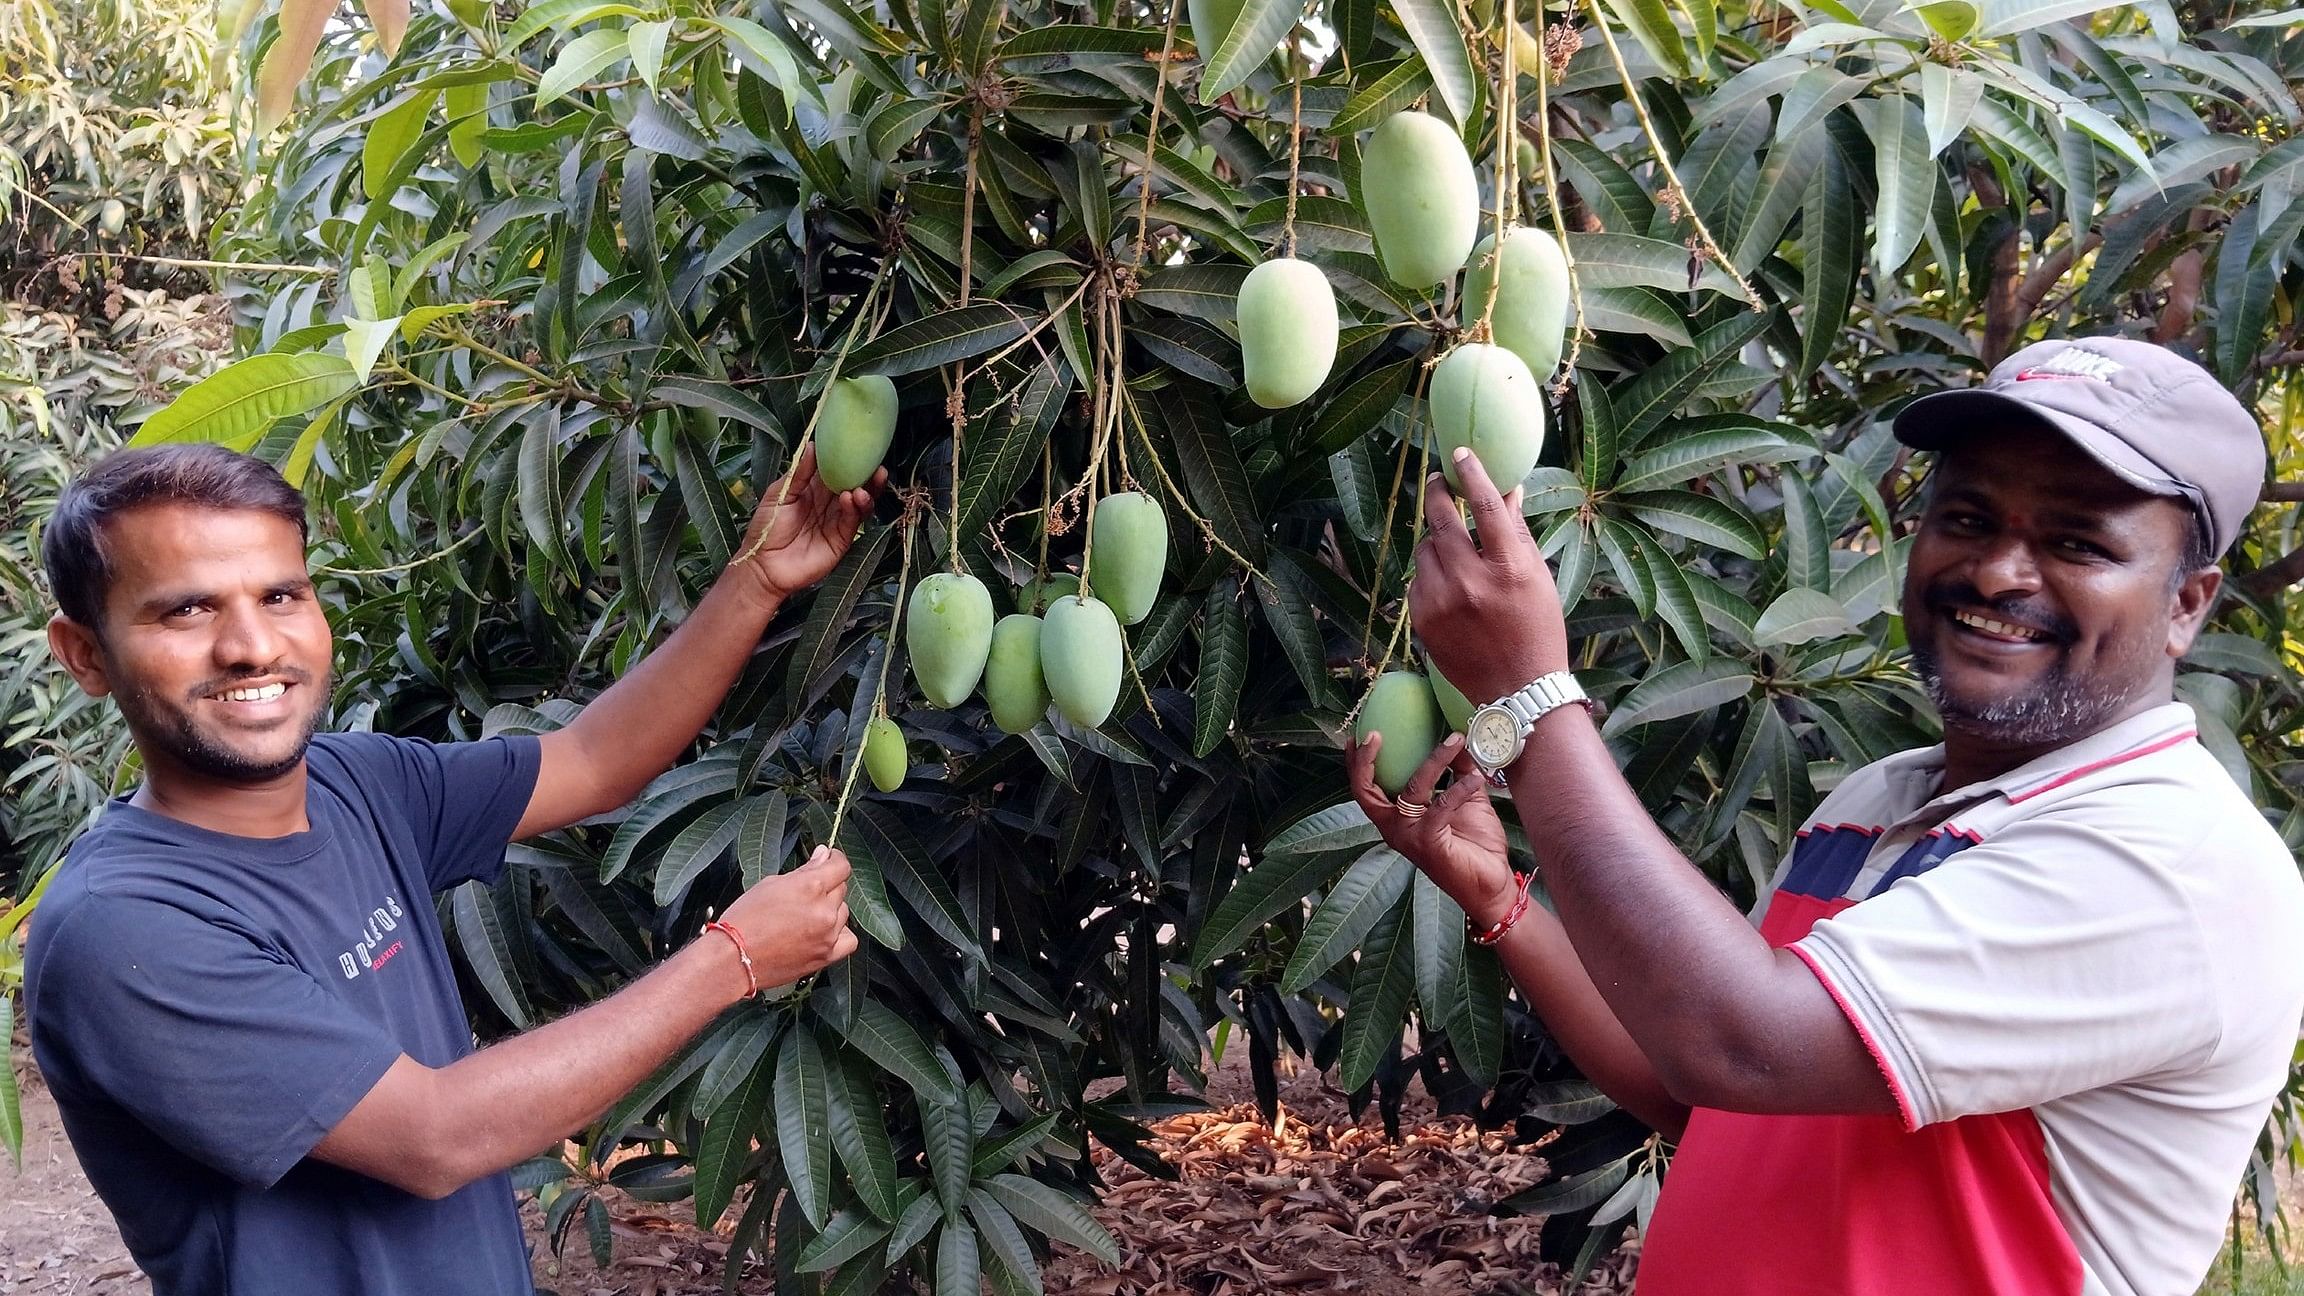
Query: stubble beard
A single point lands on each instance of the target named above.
(168, 729)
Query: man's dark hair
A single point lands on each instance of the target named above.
(205, 476)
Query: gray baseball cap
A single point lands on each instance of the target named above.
(2153, 418)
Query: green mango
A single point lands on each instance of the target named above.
(1128, 553)
(1401, 708)
(1530, 318)
(1484, 397)
(1421, 198)
(853, 430)
(948, 627)
(1034, 596)
(1081, 658)
(1287, 331)
(1454, 706)
(1013, 684)
(885, 759)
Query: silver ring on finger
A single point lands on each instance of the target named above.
(1409, 809)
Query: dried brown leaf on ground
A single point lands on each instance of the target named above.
(1315, 1202)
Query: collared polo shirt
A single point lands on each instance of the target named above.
(2083, 981)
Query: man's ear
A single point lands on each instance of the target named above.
(2195, 598)
(82, 653)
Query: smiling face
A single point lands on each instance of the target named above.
(213, 643)
(2043, 600)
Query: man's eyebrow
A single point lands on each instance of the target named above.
(2056, 515)
(169, 602)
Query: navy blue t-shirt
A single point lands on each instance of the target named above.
(207, 1007)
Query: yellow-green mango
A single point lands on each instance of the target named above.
(1528, 279)
(1128, 553)
(1401, 708)
(1211, 22)
(1456, 707)
(1484, 397)
(853, 430)
(1422, 200)
(948, 627)
(1035, 595)
(1287, 331)
(885, 759)
(1013, 685)
(1081, 659)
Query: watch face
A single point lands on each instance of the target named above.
(1493, 735)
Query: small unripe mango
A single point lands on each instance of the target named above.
(948, 627)
(1422, 200)
(1128, 553)
(1528, 278)
(853, 430)
(1034, 596)
(1401, 708)
(1484, 397)
(1081, 657)
(1013, 684)
(1456, 708)
(1287, 331)
(885, 759)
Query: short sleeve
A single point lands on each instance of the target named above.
(461, 800)
(237, 1058)
(2050, 959)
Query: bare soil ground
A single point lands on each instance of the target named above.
(1317, 1203)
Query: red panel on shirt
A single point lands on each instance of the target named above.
(1854, 1205)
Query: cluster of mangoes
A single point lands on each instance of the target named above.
(1071, 655)
(1485, 394)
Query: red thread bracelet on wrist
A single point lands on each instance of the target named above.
(743, 955)
(1518, 911)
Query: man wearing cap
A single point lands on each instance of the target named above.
(2018, 1005)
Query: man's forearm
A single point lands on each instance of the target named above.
(514, 1099)
(1672, 958)
(638, 726)
(1541, 962)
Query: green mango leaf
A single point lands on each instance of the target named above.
(1799, 616)
(803, 1125)
(1254, 35)
(580, 60)
(1370, 889)
(1047, 1209)
(1678, 690)
(1381, 988)
(235, 404)
(390, 137)
(939, 339)
(726, 1147)
(1431, 24)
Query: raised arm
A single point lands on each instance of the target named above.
(1727, 1021)
(638, 726)
(430, 1131)
(1459, 843)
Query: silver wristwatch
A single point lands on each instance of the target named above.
(1498, 730)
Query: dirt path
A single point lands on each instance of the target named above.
(57, 1237)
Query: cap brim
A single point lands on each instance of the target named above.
(1944, 419)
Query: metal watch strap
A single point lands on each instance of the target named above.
(1541, 696)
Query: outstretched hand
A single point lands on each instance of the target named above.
(1485, 607)
(802, 527)
(1458, 841)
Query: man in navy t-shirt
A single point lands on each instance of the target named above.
(236, 986)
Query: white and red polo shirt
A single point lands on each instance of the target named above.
(2084, 982)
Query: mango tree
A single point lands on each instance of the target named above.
(601, 267)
